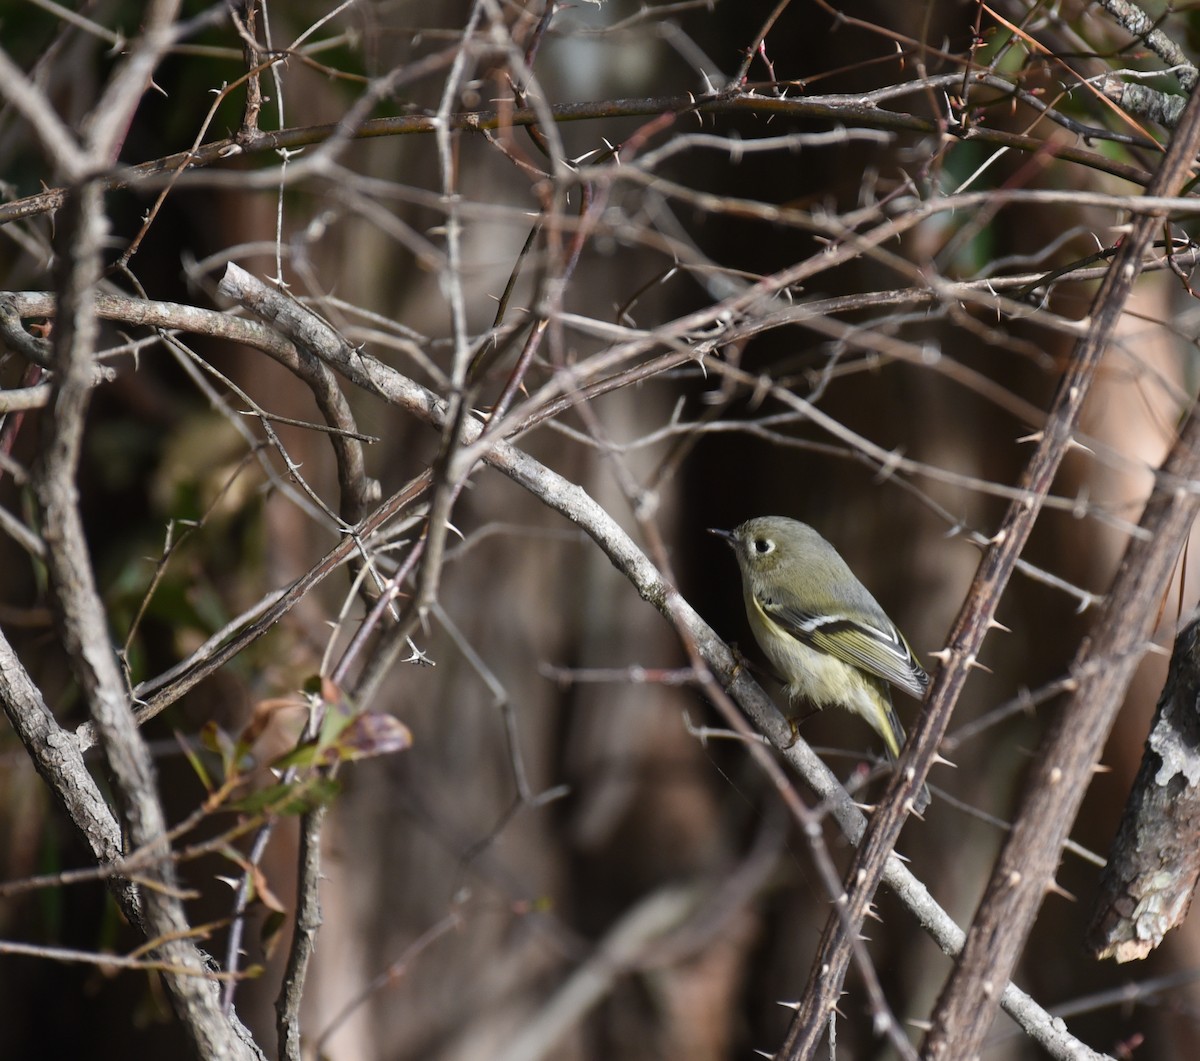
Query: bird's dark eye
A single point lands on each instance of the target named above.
(762, 546)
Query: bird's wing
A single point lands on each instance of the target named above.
(878, 650)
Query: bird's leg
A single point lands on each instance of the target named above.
(796, 721)
(741, 663)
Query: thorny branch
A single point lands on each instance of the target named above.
(574, 503)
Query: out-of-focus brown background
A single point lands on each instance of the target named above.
(662, 906)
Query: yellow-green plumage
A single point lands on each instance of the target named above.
(824, 633)
(823, 679)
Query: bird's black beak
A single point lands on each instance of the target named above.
(727, 536)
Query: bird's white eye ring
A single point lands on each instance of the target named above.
(762, 546)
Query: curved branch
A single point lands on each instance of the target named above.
(357, 490)
(575, 504)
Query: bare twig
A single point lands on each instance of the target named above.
(576, 505)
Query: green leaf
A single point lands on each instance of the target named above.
(297, 797)
(196, 763)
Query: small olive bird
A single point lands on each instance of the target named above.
(820, 627)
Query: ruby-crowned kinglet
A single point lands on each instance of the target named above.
(821, 629)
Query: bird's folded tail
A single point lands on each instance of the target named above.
(893, 741)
